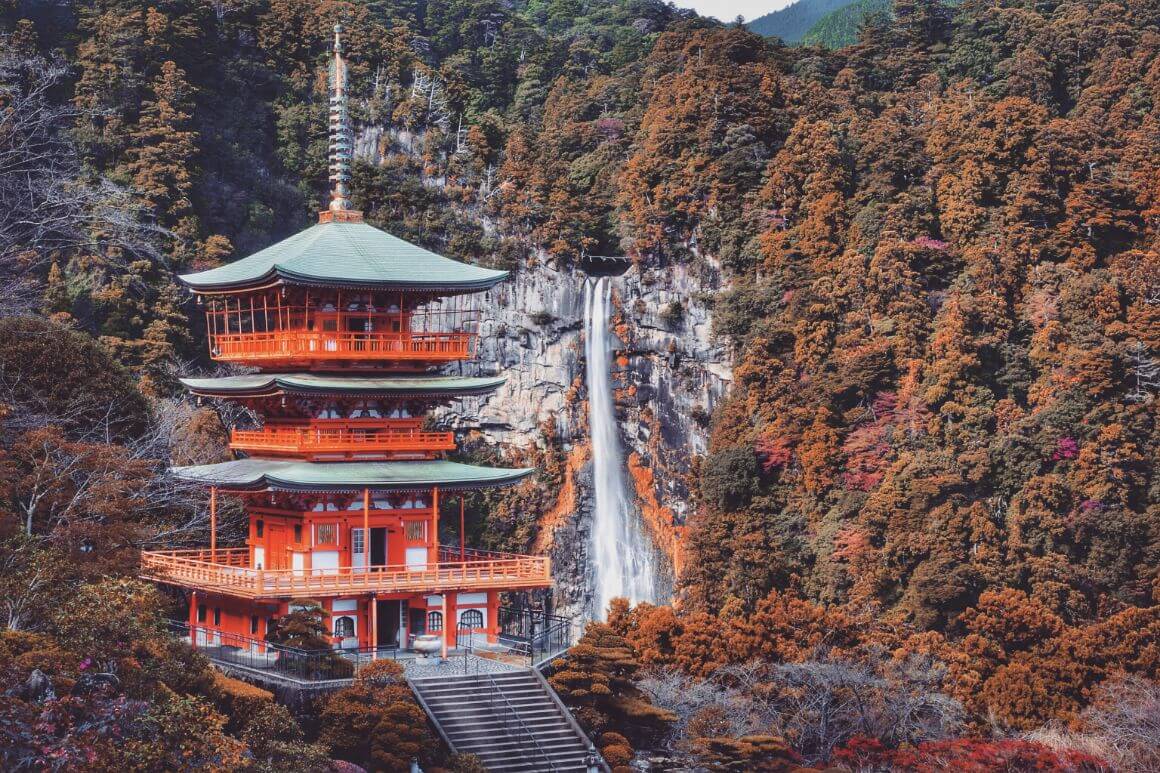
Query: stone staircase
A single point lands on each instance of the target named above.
(513, 721)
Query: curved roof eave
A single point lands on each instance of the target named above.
(306, 280)
(273, 384)
(253, 475)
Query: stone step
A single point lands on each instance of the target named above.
(495, 717)
(451, 696)
(516, 748)
(470, 689)
(506, 764)
(529, 756)
(485, 718)
(509, 677)
(488, 720)
(561, 733)
(458, 706)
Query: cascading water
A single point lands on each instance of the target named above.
(624, 560)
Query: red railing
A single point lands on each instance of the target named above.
(299, 345)
(224, 572)
(343, 438)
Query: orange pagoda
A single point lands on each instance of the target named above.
(343, 479)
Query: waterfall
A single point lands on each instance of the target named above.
(624, 560)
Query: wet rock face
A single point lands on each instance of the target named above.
(670, 373)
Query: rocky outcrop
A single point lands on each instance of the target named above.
(670, 373)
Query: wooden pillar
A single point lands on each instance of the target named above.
(193, 619)
(366, 530)
(462, 530)
(448, 628)
(374, 626)
(435, 521)
(213, 524)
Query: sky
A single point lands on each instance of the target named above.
(727, 10)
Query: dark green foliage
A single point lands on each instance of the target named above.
(840, 27)
(793, 22)
(54, 371)
(729, 477)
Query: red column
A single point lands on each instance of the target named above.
(374, 626)
(193, 619)
(448, 628)
(493, 616)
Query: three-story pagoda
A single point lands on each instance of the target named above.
(343, 480)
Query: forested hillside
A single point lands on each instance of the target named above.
(795, 20)
(933, 484)
(841, 27)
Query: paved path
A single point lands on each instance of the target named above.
(457, 665)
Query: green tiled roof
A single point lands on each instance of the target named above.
(268, 384)
(266, 474)
(347, 255)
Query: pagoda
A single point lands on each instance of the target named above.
(344, 478)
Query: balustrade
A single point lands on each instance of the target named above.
(227, 571)
(339, 438)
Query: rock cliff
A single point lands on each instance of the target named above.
(670, 373)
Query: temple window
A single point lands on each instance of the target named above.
(471, 618)
(343, 627)
(434, 621)
(326, 534)
(416, 531)
(298, 532)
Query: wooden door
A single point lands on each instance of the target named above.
(276, 544)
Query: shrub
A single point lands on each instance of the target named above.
(236, 699)
(617, 754)
(376, 722)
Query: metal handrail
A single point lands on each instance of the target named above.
(565, 712)
(511, 711)
(534, 634)
(320, 665)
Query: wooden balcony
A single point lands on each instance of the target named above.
(344, 439)
(227, 571)
(306, 346)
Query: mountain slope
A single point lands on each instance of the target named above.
(840, 28)
(794, 21)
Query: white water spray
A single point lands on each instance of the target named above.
(623, 557)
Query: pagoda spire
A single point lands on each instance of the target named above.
(341, 138)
